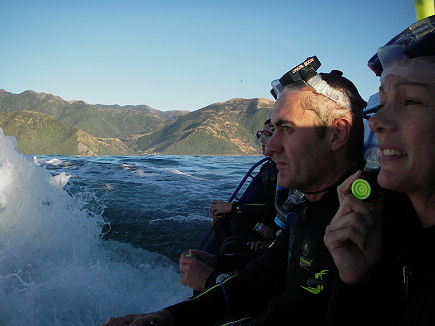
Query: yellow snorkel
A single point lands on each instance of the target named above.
(424, 8)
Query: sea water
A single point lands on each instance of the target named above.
(82, 239)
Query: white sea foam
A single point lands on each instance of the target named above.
(175, 171)
(60, 180)
(54, 267)
(51, 161)
(181, 218)
(125, 166)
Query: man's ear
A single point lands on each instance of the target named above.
(340, 133)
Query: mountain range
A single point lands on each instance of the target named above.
(46, 124)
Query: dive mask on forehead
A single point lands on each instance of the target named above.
(306, 73)
(301, 72)
(418, 40)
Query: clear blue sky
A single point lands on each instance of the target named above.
(186, 54)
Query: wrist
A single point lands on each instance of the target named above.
(221, 277)
(216, 277)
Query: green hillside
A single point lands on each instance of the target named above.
(223, 129)
(96, 120)
(46, 124)
(39, 133)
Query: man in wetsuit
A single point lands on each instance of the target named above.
(235, 221)
(317, 143)
(237, 238)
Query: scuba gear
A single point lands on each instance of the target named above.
(418, 40)
(264, 132)
(285, 203)
(301, 72)
(208, 243)
(373, 106)
(365, 188)
(306, 73)
(258, 227)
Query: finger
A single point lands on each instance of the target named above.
(198, 254)
(337, 239)
(360, 208)
(353, 220)
(345, 187)
(350, 205)
(182, 256)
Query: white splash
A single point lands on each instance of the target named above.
(54, 267)
(175, 171)
(181, 218)
(60, 180)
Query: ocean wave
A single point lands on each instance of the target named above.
(55, 268)
(178, 172)
(182, 218)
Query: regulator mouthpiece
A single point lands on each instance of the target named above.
(366, 187)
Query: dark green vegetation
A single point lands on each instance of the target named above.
(46, 124)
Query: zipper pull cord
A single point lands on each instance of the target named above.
(406, 273)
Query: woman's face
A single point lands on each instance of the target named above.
(405, 129)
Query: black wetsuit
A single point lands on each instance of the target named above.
(401, 288)
(279, 285)
(237, 227)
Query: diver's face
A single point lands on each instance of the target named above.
(405, 129)
(300, 155)
(265, 136)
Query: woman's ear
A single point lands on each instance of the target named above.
(340, 133)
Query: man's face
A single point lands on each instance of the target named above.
(301, 156)
(266, 134)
